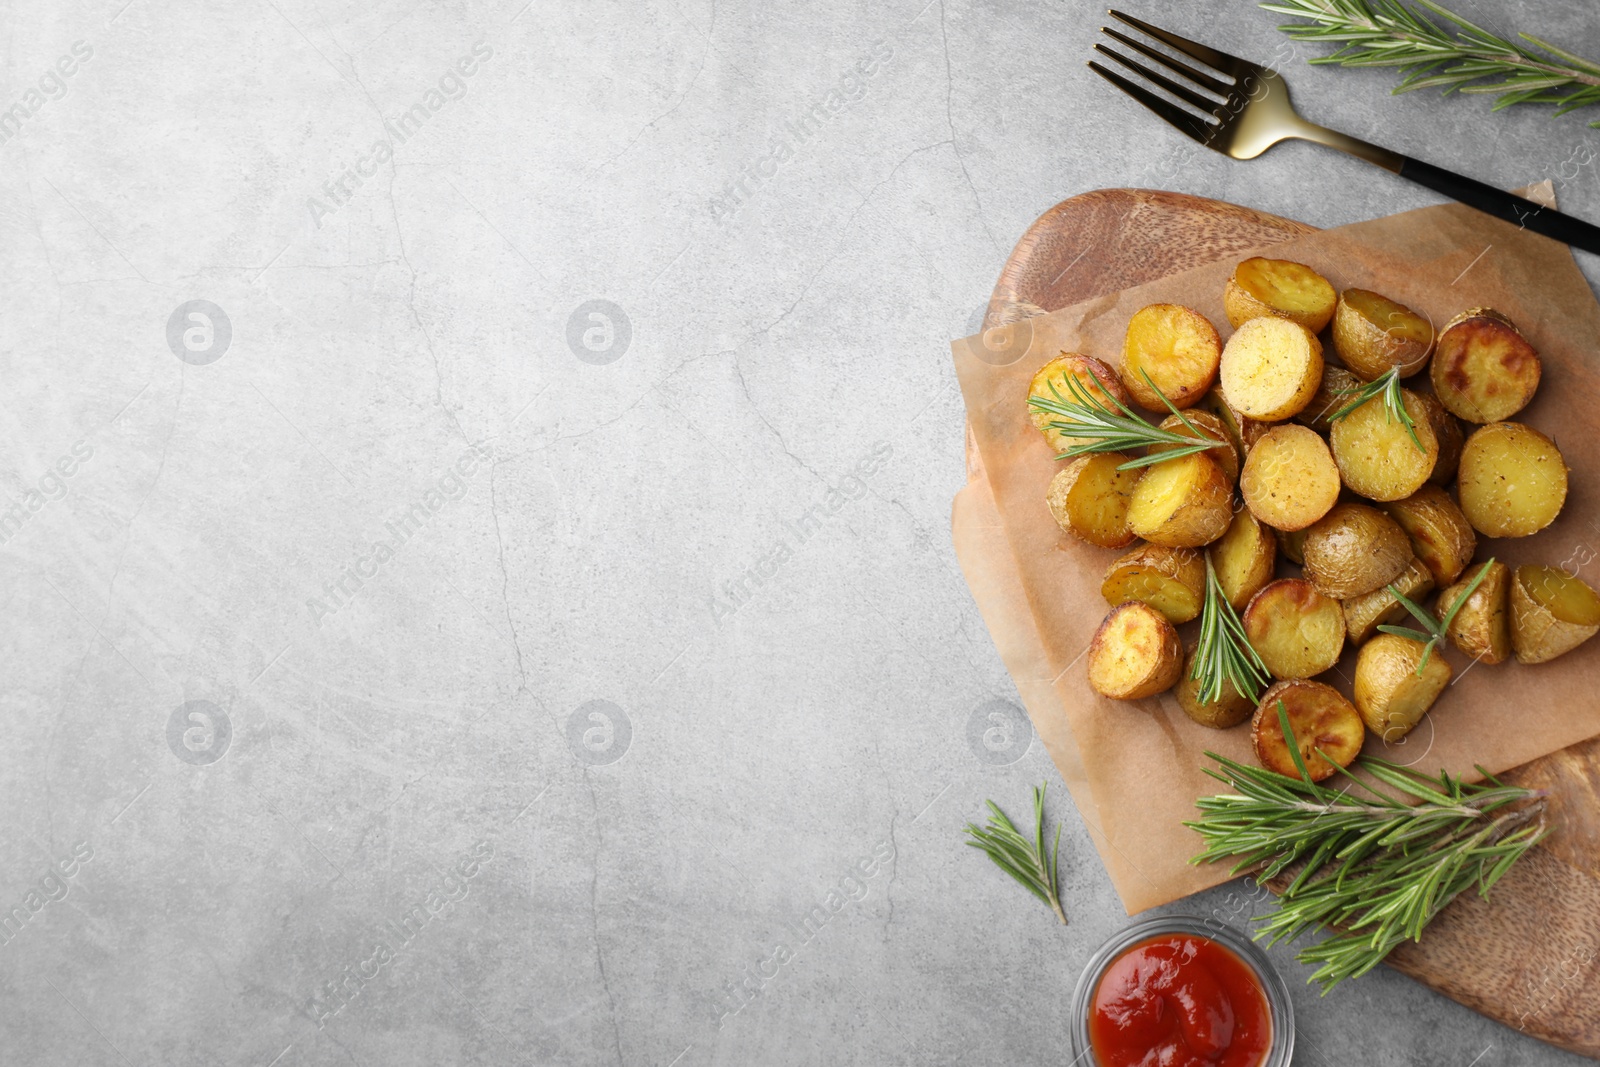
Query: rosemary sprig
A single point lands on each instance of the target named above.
(1374, 870)
(1387, 386)
(1021, 858)
(1437, 626)
(1454, 54)
(1087, 416)
(1223, 653)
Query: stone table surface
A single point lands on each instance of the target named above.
(477, 572)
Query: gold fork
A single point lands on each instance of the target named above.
(1250, 112)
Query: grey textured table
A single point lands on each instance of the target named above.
(476, 565)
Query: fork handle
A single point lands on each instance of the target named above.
(1503, 205)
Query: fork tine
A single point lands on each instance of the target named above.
(1184, 93)
(1222, 61)
(1183, 120)
(1205, 81)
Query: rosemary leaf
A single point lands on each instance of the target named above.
(1022, 858)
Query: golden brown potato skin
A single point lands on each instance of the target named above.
(1484, 370)
(1539, 633)
(1373, 334)
(1243, 558)
(1389, 694)
(1229, 709)
(1365, 613)
(1325, 724)
(1354, 549)
(1134, 654)
(1177, 347)
(1271, 368)
(1290, 541)
(1089, 499)
(1280, 288)
(1331, 396)
(1289, 480)
(1243, 430)
(1098, 379)
(1171, 580)
(1376, 455)
(1210, 427)
(1512, 480)
(1183, 502)
(1482, 626)
(1295, 630)
(1447, 431)
(1440, 534)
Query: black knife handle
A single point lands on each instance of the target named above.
(1503, 205)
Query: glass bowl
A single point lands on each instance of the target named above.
(1212, 929)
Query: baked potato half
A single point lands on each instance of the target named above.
(1295, 630)
(1512, 480)
(1372, 335)
(1183, 502)
(1354, 549)
(1244, 430)
(1279, 288)
(1482, 625)
(1229, 709)
(1326, 728)
(1290, 542)
(1447, 431)
(1390, 694)
(1552, 613)
(1243, 558)
(1209, 426)
(1289, 480)
(1375, 453)
(1365, 613)
(1332, 395)
(1089, 499)
(1271, 368)
(1050, 383)
(1440, 534)
(1134, 654)
(1177, 347)
(1484, 370)
(1171, 580)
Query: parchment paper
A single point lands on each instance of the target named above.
(1135, 768)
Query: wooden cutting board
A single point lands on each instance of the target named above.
(1530, 956)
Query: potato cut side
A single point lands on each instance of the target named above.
(1089, 499)
(1229, 709)
(1177, 347)
(1481, 627)
(1209, 426)
(1183, 502)
(1484, 370)
(1134, 654)
(1376, 455)
(1389, 693)
(1354, 549)
(1331, 396)
(1295, 630)
(1440, 534)
(1279, 288)
(1171, 580)
(1373, 334)
(1365, 613)
(1447, 431)
(1552, 613)
(1326, 728)
(1271, 368)
(1244, 431)
(1099, 380)
(1243, 558)
(1512, 480)
(1289, 480)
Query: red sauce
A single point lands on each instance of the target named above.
(1179, 1000)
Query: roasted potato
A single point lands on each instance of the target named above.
(1171, 580)
(1354, 549)
(1447, 431)
(1484, 370)
(1134, 654)
(1244, 430)
(1209, 426)
(1332, 395)
(1365, 613)
(1182, 502)
(1389, 694)
(1099, 380)
(1177, 347)
(1552, 613)
(1289, 480)
(1271, 368)
(1482, 626)
(1440, 534)
(1089, 498)
(1373, 334)
(1326, 727)
(1295, 630)
(1229, 709)
(1243, 558)
(1512, 480)
(1279, 288)
(1289, 541)
(1376, 455)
